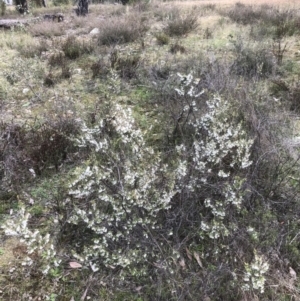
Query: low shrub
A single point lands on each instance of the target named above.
(175, 48)
(259, 32)
(65, 71)
(278, 87)
(162, 38)
(208, 33)
(50, 143)
(11, 146)
(127, 66)
(181, 25)
(73, 48)
(270, 20)
(161, 14)
(100, 69)
(160, 72)
(47, 29)
(287, 93)
(31, 50)
(120, 31)
(283, 22)
(244, 14)
(49, 80)
(27, 151)
(27, 73)
(251, 62)
(56, 58)
(27, 46)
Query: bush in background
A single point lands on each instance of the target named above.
(252, 62)
(180, 25)
(47, 29)
(270, 20)
(119, 31)
(73, 48)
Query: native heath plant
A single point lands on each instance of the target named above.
(220, 147)
(39, 247)
(122, 197)
(120, 193)
(254, 276)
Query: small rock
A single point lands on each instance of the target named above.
(95, 31)
(26, 90)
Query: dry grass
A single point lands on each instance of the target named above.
(8, 251)
(47, 29)
(291, 3)
(180, 25)
(121, 30)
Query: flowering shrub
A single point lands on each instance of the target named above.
(220, 150)
(38, 245)
(121, 192)
(123, 197)
(254, 276)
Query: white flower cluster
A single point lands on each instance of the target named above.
(121, 193)
(37, 245)
(220, 145)
(221, 150)
(187, 86)
(88, 137)
(224, 140)
(254, 277)
(253, 233)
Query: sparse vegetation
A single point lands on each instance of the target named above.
(47, 29)
(121, 30)
(131, 170)
(276, 22)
